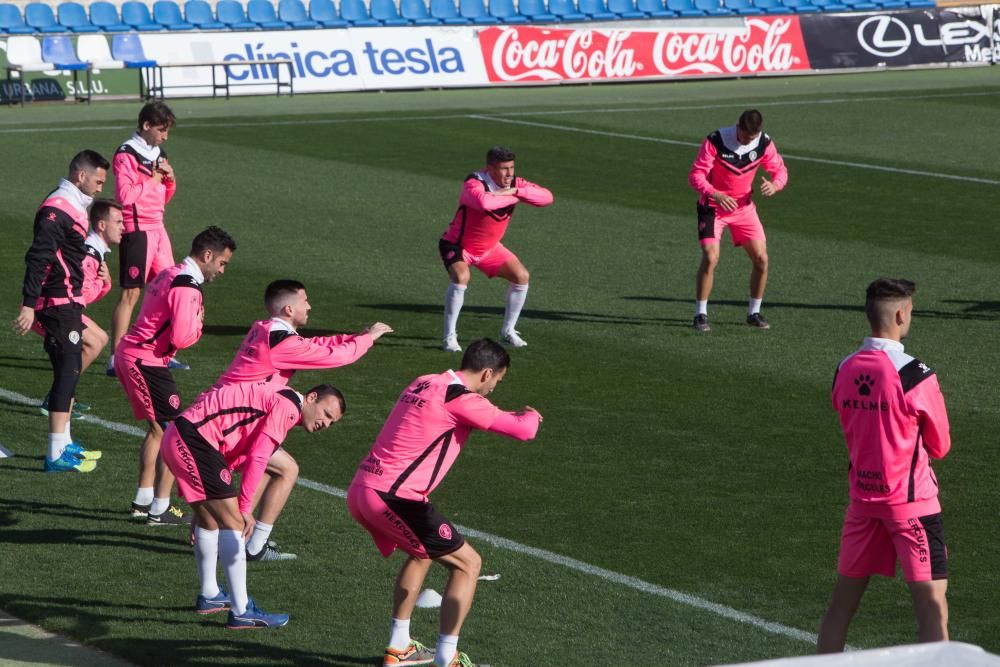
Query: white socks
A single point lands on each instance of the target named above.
(516, 296)
(234, 563)
(258, 539)
(206, 553)
(69, 436)
(753, 306)
(701, 307)
(399, 634)
(159, 506)
(144, 495)
(57, 443)
(454, 297)
(446, 648)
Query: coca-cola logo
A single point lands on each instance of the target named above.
(766, 44)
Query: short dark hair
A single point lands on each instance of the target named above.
(324, 390)
(499, 154)
(280, 288)
(215, 239)
(751, 121)
(485, 353)
(157, 114)
(87, 160)
(101, 208)
(882, 291)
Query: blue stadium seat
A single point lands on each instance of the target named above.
(625, 9)
(355, 12)
(744, 7)
(12, 22)
(684, 8)
(262, 13)
(921, 3)
(128, 49)
(199, 13)
(771, 6)
(385, 12)
(801, 6)
(73, 17)
(105, 16)
(565, 10)
(231, 13)
(595, 10)
(830, 5)
(506, 12)
(58, 50)
(654, 9)
(40, 17)
(860, 5)
(475, 11)
(416, 12)
(535, 11)
(712, 7)
(446, 12)
(168, 14)
(891, 4)
(293, 12)
(136, 15)
(324, 12)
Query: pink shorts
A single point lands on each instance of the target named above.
(150, 389)
(490, 262)
(40, 330)
(871, 545)
(743, 224)
(414, 526)
(143, 254)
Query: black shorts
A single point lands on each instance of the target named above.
(438, 536)
(63, 326)
(706, 222)
(150, 389)
(132, 258)
(205, 467)
(450, 252)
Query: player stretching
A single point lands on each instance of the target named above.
(271, 352)
(144, 183)
(473, 239)
(170, 319)
(53, 279)
(723, 175)
(236, 427)
(418, 444)
(894, 422)
(105, 231)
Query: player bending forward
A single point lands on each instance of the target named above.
(418, 444)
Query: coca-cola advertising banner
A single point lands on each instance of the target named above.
(535, 54)
(937, 36)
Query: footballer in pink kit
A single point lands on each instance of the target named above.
(53, 297)
(271, 353)
(169, 320)
(723, 174)
(235, 429)
(894, 421)
(144, 184)
(389, 496)
(473, 239)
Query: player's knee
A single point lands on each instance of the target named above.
(129, 296)
(709, 260)
(521, 276)
(472, 563)
(290, 470)
(760, 261)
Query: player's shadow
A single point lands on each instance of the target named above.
(114, 539)
(974, 310)
(56, 509)
(770, 305)
(226, 650)
(530, 314)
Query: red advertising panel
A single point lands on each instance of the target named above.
(756, 45)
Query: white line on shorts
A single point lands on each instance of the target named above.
(675, 142)
(517, 547)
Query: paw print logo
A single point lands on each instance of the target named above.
(420, 387)
(864, 383)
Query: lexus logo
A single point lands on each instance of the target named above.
(887, 36)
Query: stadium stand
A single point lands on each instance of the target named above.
(415, 11)
(712, 7)
(199, 13)
(11, 21)
(105, 16)
(168, 14)
(506, 12)
(535, 11)
(596, 10)
(446, 12)
(262, 13)
(136, 15)
(566, 10)
(326, 14)
(231, 13)
(73, 17)
(41, 17)
(625, 9)
(475, 11)
(385, 12)
(684, 8)
(801, 6)
(293, 12)
(744, 7)
(355, 12)
(94, 49)
(654, 9)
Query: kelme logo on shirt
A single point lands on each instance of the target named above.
(864, 384)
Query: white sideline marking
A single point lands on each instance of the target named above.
(517, 547)
(675, 142)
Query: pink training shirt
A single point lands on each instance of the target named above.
(143, 200)
(94, 287)
(272, 351)
(482, 218)
(246, 423)
(425, 433)
(170, 317)
(894, 421)
(725, 165)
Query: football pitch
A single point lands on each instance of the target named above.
(682, 503)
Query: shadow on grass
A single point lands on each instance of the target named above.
(227, 650)
(114, 539)
(9, 505)
(529, 314)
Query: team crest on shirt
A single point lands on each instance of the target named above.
(133, 272)
(226, 476)
(752, 155)
(175, 401)
(444, 530)
(74, 337)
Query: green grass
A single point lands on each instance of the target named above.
(711, 465)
